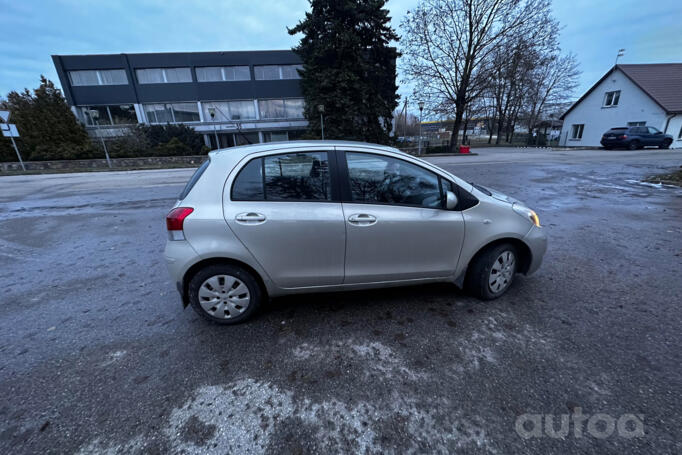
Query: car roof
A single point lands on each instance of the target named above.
(244, 150)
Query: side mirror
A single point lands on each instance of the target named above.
(450, 200)
(658, 132)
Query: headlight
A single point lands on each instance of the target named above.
(527, 213)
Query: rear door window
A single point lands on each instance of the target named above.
(285, 177)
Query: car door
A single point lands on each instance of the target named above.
(396, 226)
(284, 208)
(655, 136)
(644, 136)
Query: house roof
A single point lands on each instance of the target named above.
(661, 81)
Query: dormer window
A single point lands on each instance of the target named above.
(611, 98)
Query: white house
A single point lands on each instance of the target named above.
(628, 95)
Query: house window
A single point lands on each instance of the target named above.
(611, 98)
(224, 73)
(636, 123)
(275, 72)
(172, 112)
(98, 77)
(281, 109)
(163, 75)
(577, 131)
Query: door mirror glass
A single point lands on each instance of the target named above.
(450, 200)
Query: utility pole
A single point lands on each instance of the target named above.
(421, 109)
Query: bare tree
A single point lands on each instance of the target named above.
(446, 44)
(553, 83)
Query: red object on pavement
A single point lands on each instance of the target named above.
(464, 149)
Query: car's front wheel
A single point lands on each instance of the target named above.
(224, 294)
(492, 271)
(666, 144)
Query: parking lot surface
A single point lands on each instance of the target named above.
(98, 355)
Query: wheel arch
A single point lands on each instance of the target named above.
(525, 259)
(195, 268)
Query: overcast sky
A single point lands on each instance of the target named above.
(32, 30)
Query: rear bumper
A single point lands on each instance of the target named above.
(536, 239)
(179, 256)
(613, 143)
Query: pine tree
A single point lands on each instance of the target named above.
(48, 128)
(349, 68)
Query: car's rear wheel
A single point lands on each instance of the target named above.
(666, 144)
(492, 271)
(633, 145)
(607, 147)
(224, 294)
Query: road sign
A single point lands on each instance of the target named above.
(4, 115)
(9, 130)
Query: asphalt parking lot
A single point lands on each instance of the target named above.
(97, 354)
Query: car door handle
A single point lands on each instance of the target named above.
(250, 218)
(362, 219)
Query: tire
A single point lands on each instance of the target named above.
(481, 269)
(607, 147)
(209, 294)
(633, 145)
(666, 144)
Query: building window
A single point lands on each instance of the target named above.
(227, 111)
(122, 114)
(636, 123)
(611, 98)
(275, 136)
(172, 112)
(98, 77)
(577, 131)
(223, 73)
(163, 75)
(275, 72)
(281, 109)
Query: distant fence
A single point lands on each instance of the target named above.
(121, 163)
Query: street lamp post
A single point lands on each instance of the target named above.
(320, 109)
(211, 112)
(421, 109)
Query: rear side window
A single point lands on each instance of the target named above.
(286, 177)
(194, 179)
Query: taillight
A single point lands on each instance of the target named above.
(624, 136)
(175, 220)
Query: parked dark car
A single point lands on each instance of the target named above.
(635, 137)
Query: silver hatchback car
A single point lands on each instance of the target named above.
(272, 219)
